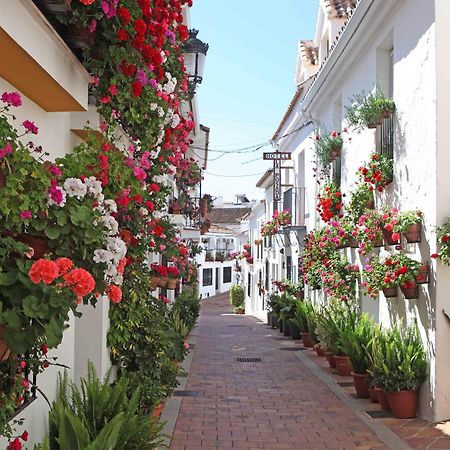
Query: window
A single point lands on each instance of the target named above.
(207, 277)
(386, 135)
(227, 274)
(249, 285)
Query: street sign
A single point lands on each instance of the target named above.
(277, 180)
(272, 156)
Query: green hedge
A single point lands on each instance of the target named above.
(237, 295)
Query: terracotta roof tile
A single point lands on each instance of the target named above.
(309, 52)
(342, 8)
(228, 215)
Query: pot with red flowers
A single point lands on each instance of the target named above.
(377, 172)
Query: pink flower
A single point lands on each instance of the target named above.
(186, 346)
(139, 173)
(55, 171)
(23, 364)
(30, 126)
(26, 215)
(12, 98)
(6, 150)
(93, 26)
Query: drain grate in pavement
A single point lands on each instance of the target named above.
(292, 349)
(346, 384)
(248, 359)
(239, 326)
(379, 414)
(187, 394)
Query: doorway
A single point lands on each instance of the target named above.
(217, 280)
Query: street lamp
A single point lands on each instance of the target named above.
(194, 59)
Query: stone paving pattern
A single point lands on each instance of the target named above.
(275, 404)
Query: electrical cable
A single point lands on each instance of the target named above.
(234, 176)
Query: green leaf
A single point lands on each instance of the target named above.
(72, 434)
(52, 232)
(81, 215)
(8, 278)
(34, 308)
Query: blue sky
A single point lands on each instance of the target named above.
(248, 81)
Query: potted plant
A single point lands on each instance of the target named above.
(356, 344)
(404, 369)
(378, 172)
(274, 304)
(329, 203)
(174, 275)
(398, 222)
(237, 298)
(369, 110)
(360, 200)
(339, 278)
(328, 147)
(368, 232)
(300, 320)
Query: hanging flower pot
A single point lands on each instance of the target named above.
(387, 234)
(410, 290)
(370, 204)
(343, 365)
(360, 381)
(403, 404)
(155, 282)
(330, 358)
(80, 37)
(4, 349)
(382, 399)
(157, 410)
(172, 283)
(163, 282)
(413, 234)
(335, 152)
(307, 341)
(353, 243)
(37, 243)
(378, 243)
(390, 292)
(424, 274)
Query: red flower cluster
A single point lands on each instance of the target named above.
(329, 203)
(173, 272)
(114, 293)
(378, 172)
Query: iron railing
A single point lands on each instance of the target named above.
(386, 136)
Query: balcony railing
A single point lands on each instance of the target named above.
(386, 137)
(294, 199)
(218, 255)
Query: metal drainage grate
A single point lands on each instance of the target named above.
(248, 359)
(239, 326)
(379, 414)
(187, 394)
(346, 384)
(292, 349)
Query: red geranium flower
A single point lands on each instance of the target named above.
(114, 293)
(80, 282)
(43, 270)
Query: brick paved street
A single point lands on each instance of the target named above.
(277, 403)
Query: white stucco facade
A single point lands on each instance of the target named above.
(401, 46)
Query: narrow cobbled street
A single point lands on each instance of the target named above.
(274, 403)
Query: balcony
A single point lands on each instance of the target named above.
(217, 255)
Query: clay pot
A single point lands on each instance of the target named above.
(37, 243)
(330, 358)
(373, 395)
(154, 282)
(354, 243)
(295, 331)
(239, 311)
(370, 204)
(203, 206)
(80, 37)
(388, 237)
(300, 295)
(410, 291)
(335, 152)
(172, 283)
(378, 243)
(360, 381)
(390, 291)
(163, 282)
(403, 404)
(157, 410)
(382, 399)
(307, 341)
(274, 321)
(414, 233)
(4, 349)
(269, 318)
(424, 274)
(319, 350)
(343, 365)
(286, 328)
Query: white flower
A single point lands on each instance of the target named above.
(163, 56)
(94, 186)
(102, 256)
(175, 121)
(116, 246)
(110, 205)
(110, 223)
(160, 111)
(153, 106)
(74, 187)
(143, 211)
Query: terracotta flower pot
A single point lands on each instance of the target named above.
(373, 395)
(307, 341)
(403, 404)
(335, 152)
(157, 410)
(295, 331)
(163, 281)
(424, 274)
(239, 311)
(172, 283)
(354, 243)
(390, 291)
(343, 365)
(319, 350)
(382, 399)
(388, 237)
(360, 381)
(370, 204)
(37, 243)
(154, 282)
(300, 295)
(330, 358)
(410, 291)
(414, 233)
(378, 243)
(4, 349)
